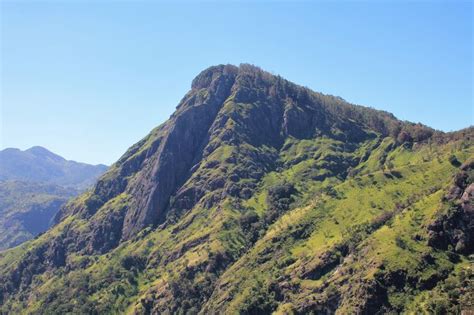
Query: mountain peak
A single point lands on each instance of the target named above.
(208, 75)
(229, 107)
(38, 164)
(43, 152)
(39, 149)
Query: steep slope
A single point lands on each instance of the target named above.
(260, 196)
(37, 164)
(27, 209)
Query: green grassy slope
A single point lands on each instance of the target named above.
(337, 240)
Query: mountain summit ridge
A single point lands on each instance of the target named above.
(258, 195)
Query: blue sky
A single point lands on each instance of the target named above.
(87, 80)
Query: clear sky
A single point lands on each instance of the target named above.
(87, 80)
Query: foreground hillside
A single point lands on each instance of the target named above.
(261, 196)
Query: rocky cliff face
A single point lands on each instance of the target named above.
(257, 195)
(454, 229)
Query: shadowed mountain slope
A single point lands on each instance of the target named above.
(34, 184)
(27, 209)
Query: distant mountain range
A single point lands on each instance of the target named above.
(40, 165)
(260, 196)
(34, 184)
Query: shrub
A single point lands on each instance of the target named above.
(400, 243)
(454, 161)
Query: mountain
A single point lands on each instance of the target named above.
(260, 196)
(34, 184)
(37, 164)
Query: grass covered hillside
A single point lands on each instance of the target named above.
(259, 196)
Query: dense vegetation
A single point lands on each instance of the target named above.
(261, 196)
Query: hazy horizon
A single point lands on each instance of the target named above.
(87, 81)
